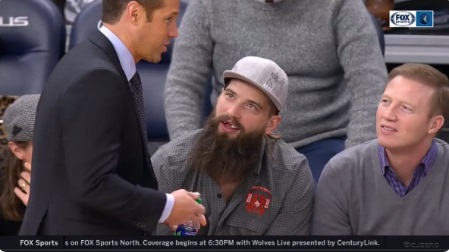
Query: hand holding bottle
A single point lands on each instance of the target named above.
(185, 209)
(190, 228)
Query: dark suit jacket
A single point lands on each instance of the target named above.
(90, 174)
(9, 227)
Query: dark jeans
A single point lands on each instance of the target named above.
(319, 153)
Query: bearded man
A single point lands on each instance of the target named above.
(251, 181)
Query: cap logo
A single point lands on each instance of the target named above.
(16, 130)
(274, 82)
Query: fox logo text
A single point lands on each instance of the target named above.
(412, 18)
(13, 21)
(401, 19)
(87, 242)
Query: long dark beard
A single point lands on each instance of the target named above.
(225, 159)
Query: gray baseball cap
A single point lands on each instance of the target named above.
(264, 74)
(18, 120)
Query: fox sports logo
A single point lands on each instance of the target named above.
(402, 18)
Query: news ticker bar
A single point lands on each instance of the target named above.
(225, 242)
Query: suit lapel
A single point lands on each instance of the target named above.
(103, 42)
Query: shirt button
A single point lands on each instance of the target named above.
(219, 195)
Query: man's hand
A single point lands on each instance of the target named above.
(185, 209)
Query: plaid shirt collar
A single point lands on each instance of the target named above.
(427, 161)
(418, 175)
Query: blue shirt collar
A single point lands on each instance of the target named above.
(427, 161)
(124, 55)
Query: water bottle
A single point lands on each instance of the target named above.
(190, 228)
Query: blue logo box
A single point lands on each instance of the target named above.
(424, 18)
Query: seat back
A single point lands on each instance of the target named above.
(153, 83)
(87, 21)
(32, 40)
(153, 75)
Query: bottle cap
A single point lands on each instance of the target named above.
(199, 201)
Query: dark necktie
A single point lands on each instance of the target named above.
(136, 89)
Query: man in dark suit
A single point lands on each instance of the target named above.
(91, 169)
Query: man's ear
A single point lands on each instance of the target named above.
(273, 123)
(436, 123)
(16, 150)
(132, 12)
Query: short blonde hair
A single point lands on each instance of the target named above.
(431, 77)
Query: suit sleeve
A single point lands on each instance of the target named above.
(92, 115)
(331, 216)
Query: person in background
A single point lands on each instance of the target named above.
(73, 7)
(18, 124)
(329, 50)
(5, 101)
(251, 181)
(92, 173)
(396, 184)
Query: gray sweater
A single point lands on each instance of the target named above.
(354, 198)
(329, 49)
